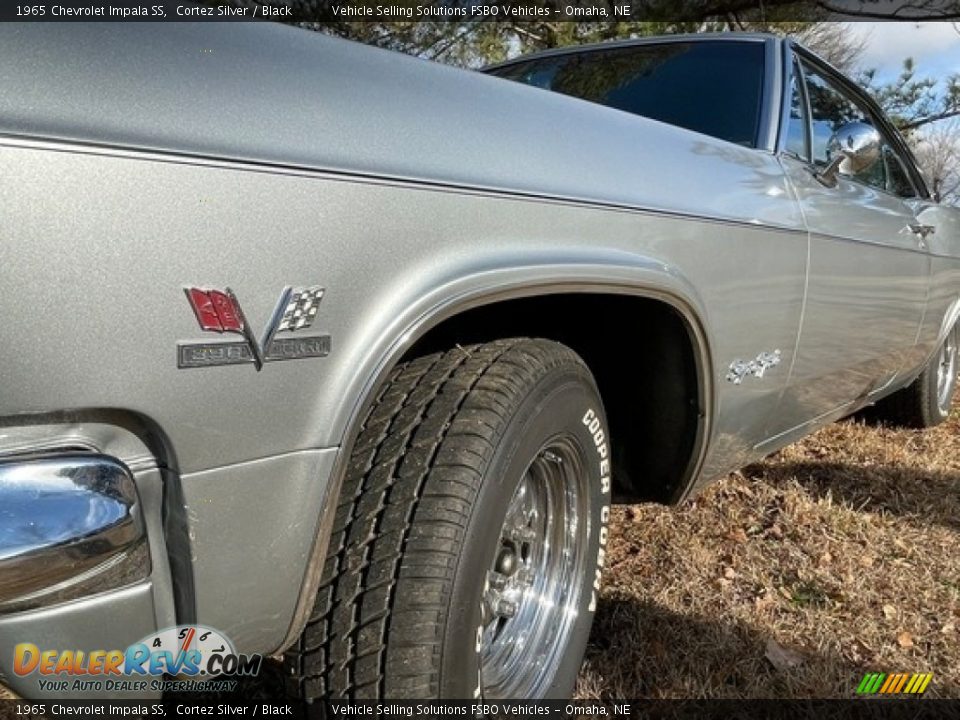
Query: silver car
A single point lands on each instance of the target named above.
(317, 350)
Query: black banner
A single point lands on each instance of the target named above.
(171, 707)
(461, 11)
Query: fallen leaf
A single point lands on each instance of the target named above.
(905, 639)
(866, 561)
(738, 535)
(782, 658)
(889, 612)
(948, 628)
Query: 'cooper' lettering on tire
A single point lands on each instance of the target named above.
(594, 426)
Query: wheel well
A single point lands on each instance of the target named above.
(642, 354)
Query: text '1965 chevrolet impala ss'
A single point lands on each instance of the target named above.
(317, 350)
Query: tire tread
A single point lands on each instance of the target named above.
(411, 482)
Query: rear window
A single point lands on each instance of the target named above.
(711, 87)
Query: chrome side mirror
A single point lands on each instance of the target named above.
(854, 147)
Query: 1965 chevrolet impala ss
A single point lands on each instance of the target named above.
(500, 310)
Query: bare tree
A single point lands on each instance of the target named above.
(938, 152)
(836, 43)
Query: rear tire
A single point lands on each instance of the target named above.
(466, 462)
(926, 401)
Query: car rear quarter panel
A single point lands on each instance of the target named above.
(97, 247)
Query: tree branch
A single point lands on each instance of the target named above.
(925, 13)
(913, 124)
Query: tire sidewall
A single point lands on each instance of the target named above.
(563, 400)
(934, 413)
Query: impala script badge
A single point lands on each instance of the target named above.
(739, 369)
(219, 311)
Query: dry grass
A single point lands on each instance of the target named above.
(843, 549)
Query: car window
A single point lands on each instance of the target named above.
(796, 142)
(712, 87)
(831, 108)
(829, 111)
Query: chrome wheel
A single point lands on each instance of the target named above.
(947, 370)
(532, 592)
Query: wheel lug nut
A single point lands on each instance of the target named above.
(506, 609)
(506, 561)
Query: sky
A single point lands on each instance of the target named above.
(935, 46)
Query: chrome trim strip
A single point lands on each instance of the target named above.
(155, 155)
(771, 98)
(792, 70)
(71, 525)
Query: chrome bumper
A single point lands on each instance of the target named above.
(71, 525)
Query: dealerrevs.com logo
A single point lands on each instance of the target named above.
(192, 651)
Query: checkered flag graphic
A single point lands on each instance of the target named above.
(301, 309)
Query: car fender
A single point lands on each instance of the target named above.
(486, 282)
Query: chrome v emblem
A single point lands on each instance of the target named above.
(219, 311)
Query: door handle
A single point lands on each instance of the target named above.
(921, 231)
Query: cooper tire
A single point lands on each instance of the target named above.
(926, 401)
(467, 462)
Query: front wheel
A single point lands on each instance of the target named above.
(470, 534)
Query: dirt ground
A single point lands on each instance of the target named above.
(791, 579)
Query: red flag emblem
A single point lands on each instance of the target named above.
(216, 311)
